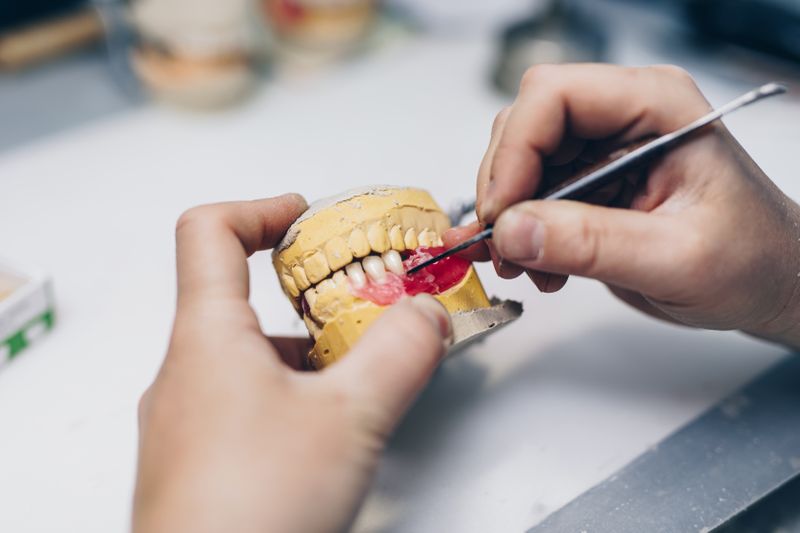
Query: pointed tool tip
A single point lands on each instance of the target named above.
(485, 234)
(413, 270)
(773, 88)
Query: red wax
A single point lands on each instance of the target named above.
(433, 279)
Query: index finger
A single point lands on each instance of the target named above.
(586, 101)
(213, 243)
(455, 236)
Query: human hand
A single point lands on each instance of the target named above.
(233, 437)
(708, 240)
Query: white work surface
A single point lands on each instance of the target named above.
(505, 434)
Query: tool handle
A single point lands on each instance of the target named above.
(600, 177)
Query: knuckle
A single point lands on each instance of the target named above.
(587, 247)
(145, 402)
(500, 119)
(505, 153)
(535, 75)
(411, 329)
(189, 218)
(675, 74)
(417, 329)
(197, 215)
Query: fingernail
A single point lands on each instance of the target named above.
(446, 235)
(436, 313)
(519, 235)
(296, 197)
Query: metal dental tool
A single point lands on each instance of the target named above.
(608, 173)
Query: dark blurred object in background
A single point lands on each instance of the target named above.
(14, 13)
(559, 34)
(771, 26)
(38, 30)
(464, 18)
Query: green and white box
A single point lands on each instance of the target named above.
(26, 309)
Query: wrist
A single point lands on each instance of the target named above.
(783, 323)
(784, 328)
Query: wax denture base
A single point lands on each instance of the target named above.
(388, 287)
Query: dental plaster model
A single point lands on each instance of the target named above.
(194, 53)
(344, 261)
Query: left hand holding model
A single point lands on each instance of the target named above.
(234, 437)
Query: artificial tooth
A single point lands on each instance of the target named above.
(427, 238)
(337, 253)
(312, 326)
(373, 266)
(410, 239)
(325, 285)
(393, 262)
(339, 278)
(316, 267)
(300, 278)
(290, 285)
(396, 238)
(358, 243)
(378, 238)
(311, 296)
(356, 274)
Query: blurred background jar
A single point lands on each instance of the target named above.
(317, 30)
(196, 53)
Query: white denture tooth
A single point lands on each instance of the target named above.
(393, 262)
(311, 297)
(373, 266)
(410, 239)
(339, 278)
(325, 285)
(356, 274)
(396, 238)
(426, 238)
(378, 237)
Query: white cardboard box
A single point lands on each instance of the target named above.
(27, 308)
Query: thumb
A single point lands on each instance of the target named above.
(396, 357)
(631, 249)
